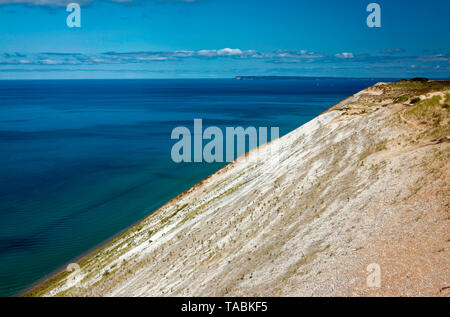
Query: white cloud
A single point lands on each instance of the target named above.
(301, 57)
(229, 51)
(49, 62)
(345, 55)
(223, 52)
(299, 54)
(63, 3)
(53, 3)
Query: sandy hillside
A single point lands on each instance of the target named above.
(365, 183)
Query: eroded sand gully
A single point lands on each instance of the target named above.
(357, 185)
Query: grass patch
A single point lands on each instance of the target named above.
(428, 111)
(402, 91)
(172, 215)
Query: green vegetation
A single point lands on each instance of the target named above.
(434, 114)
(172, 215)
(410, 89)
(429, 110)
(402, 99)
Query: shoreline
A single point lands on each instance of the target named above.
(100, 246)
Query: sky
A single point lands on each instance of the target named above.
(223, 39)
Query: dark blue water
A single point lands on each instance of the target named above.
(82, 160)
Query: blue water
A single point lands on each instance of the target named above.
(82, 160)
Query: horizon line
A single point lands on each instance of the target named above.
(218, 78)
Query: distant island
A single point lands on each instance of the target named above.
(285, 78)
(420, 79)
